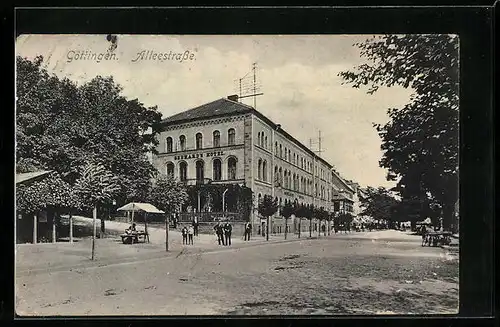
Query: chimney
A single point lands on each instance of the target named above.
(233, 97)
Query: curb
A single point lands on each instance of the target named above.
(148, 257)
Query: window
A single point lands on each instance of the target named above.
(286, 158)
(276, 148)
(170, 169)
(258, 138)
(199, 141)
(231, 168)
(200, 170)
(276, 176)
(183, 171)
(264, 171)
(259, 174)
(281, 152)
(216, 139)
(217, 167)
(289, 155)
(169, 144)
(231, 135)
(265, 142)
(182, 142)
(281, 177)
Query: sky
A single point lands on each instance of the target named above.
(298, 76)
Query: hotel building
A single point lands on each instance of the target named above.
(227, 142)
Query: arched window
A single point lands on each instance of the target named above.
(216, 139)
(217, 170)
(231, 168)
(289, 155)
(169, 144)
(259, 174)
(265, 142)
(182, 142)
(231, 136)
(264, 171)
(170, 169)
(281, 152)
(183, 171)
(258, 138)
(276, 176)
(200, 171)
(276, 148)
(199, 141)
(281, 177)
(286, 153)
(259, 198)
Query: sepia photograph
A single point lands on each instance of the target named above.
(236, 175)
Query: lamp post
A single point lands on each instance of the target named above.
(273, 154)
(224, 203)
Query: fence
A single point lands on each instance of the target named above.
(211, 216)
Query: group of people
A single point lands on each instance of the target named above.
(187, 235)
(223, 232)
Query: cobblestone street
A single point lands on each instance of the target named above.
(362, 273)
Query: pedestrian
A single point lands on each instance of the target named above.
(219, 233)
(195, 226)
(248, 231)
(227, 233)
(190, 234)
(184, 233)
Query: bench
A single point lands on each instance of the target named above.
(134, 237)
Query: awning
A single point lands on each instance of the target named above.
(24, 177)
(137, 206)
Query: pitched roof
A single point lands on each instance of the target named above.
(215, 108)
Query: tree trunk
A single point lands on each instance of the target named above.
(328, 227)
(300, 226)
(448, 223)
(267, 228)
(94, 230)
(54, 234)
(286, 225)
(310, 227)
(35, 229)
(70, 226)
(166, 232)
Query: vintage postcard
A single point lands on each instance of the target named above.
(236, 175)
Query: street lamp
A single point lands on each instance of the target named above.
(224, 203)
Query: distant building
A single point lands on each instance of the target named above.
(227, 142)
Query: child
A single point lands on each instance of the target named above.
(184, 232)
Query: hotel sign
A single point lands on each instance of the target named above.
(199, 155)
(291, 194)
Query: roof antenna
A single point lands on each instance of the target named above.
(249, 87)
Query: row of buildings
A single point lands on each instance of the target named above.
(228, 142)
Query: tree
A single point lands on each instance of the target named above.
(286, 212)
(267, 207)
(299, 212)
(60, 126)
(420, 141)
(322, 216)
(168, 194)
(380, 204)
(308, 214)
(52, 194)
(96, 186)
(346, 220)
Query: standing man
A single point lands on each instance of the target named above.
(195, 225)
(190, 234)
(184, 232)
(248, 231)
(219, 232)
(227, 232)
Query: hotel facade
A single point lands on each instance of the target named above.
(227, 142)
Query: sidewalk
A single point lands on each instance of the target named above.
(111, 250)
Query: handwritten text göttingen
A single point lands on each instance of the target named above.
(164, 56)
